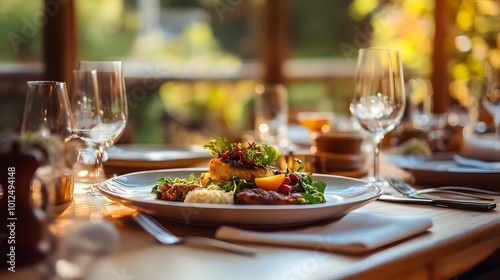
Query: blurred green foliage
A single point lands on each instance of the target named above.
(21, 31)
(224, 34)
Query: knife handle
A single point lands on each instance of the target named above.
(460, 204)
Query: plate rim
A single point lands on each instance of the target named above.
(423, 168)
(200, 154)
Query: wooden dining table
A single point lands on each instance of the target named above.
(457, 241)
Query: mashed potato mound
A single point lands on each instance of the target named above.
(209, 196)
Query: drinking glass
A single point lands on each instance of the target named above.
(379, 99)
(99, 107)
(491, 100)
(271, 114)
(46, 110)
(47, 124)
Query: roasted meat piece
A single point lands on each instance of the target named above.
(259, 196)
(224, 169)
(175, 192)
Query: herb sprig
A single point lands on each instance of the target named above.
(259, 154)
(191, 180)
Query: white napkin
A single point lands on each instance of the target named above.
(355, 233)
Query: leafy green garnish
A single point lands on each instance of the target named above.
(260, 154)
(217, 146)
(236, 184)
(191, 180)
(307, 198)
(313, 190)
(268, 156)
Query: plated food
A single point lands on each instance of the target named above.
(343, 195)
(243, 174)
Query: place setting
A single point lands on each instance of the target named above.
(472, 163)
(164, 193)
(476, 164)
(231, 196)
(328, 223)
(448, 169)
(266, 140)
(267, 209)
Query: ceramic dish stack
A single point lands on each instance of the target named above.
(339, 153)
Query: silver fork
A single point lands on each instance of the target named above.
(400, 185)
(164, 236)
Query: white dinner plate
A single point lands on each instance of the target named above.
(129, 158)
(442, 170)
(133, 190)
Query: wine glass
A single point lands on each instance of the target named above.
(46, 110)
(47, 124)
(271, 114)
(379, 99)
(491, 100)
(99, 107)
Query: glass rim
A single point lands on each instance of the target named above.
(83, 71)
(45, 83)
(101, 65)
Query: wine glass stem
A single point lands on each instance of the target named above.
(98, 163)
(376, 152)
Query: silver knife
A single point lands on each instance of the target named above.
(450, 203)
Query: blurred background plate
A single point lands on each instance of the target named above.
(441, 170)
(130, 158)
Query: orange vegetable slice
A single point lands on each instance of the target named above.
(270, 183)
(204, 178)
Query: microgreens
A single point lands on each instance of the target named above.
(260, 154)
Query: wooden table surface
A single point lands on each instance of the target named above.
(457, 241)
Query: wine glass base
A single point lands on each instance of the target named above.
(92, 190)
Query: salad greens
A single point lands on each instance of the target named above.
(259, 154)
(170, 181)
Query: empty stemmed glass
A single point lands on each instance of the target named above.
(99, 106)
(46, 110)
(491, 100)
(379, 99)
(271, 115)
(47, 124)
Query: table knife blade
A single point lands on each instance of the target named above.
(450, 203)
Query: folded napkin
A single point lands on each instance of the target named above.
(355, 233)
